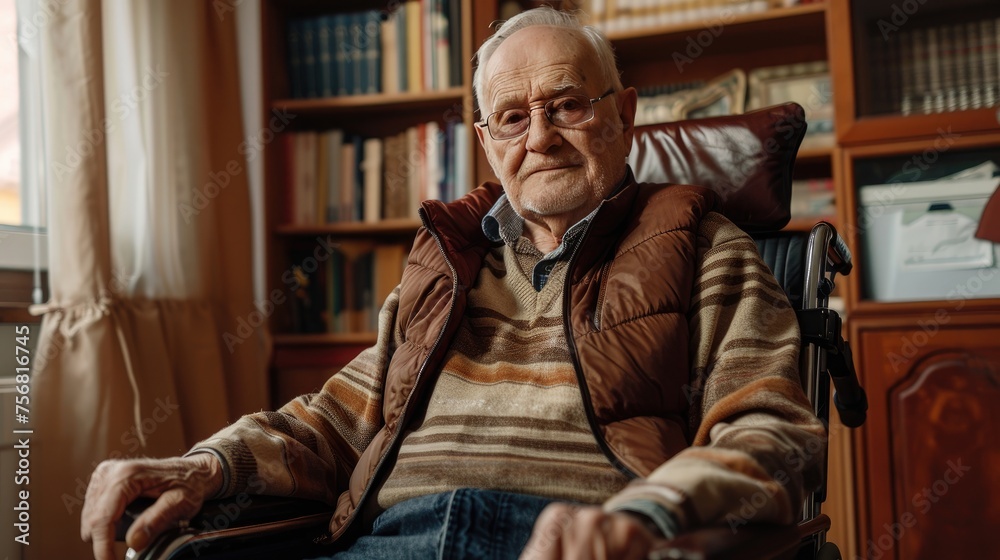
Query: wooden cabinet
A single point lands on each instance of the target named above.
(916, 100)
(928, 487)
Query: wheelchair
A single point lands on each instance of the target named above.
(748, 160)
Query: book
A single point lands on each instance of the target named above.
(334, 145)
(372, 56)
(327, 72)
(414, 63)
(372, 171)
(462, 181)
(342, 58)
(455, 42)
(358, 70)
(309, 62)
(395, 198)
(390, 54)
(296, 78)
(318, 215)
(347, 162)
(432, 158)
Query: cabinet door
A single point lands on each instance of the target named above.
(930, 449)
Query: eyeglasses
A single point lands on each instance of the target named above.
(564, 112)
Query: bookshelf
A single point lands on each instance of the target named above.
(302, 236)
(866, 467)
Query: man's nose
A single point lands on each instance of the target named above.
(542, 134)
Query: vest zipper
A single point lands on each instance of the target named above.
(588, 405)
(416, 381)
(600, 294)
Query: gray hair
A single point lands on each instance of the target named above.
(553, 18)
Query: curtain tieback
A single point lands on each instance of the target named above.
(87, 313)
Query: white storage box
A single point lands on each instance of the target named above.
(919, 241)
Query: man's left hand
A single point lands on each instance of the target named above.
(588, 533)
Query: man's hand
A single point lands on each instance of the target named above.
(181, 485)
(588, 533)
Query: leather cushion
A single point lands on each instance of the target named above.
(747, 159)
(785, 254)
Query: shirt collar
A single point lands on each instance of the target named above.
(503, 224)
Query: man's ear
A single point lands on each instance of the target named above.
(627, 100)
(480, 131)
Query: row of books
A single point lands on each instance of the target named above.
(613, 16)
(416, 47)
(936, 69)
(338, 177)
(344, 293)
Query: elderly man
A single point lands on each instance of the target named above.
(571, 367)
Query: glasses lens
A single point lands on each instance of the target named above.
(570, 110)
(508, 123)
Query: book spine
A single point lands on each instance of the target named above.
(358, 209)
(295, 77)
(455, 42)
(335, 142)
(310, 52)
(342, 53)
(327, 87)
(373, 52)
(402, 58)
(414, 72)
(359, 69)
(389, 62)
(373, 180)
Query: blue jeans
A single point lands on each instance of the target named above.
(461, 524)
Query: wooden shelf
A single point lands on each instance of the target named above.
(384, 228)
(899, 127)
(729, 33)
(806, 223)
(776, 19)
(374, 103)
(322, 339)
(814, 155)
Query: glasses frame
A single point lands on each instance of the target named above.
(485, 123)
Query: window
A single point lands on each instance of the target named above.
(23, 246)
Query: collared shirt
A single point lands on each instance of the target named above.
(503, 223)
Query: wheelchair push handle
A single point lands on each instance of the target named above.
(850, 398)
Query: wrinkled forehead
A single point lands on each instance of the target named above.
(537, 63)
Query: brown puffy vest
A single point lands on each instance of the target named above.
(628, 293)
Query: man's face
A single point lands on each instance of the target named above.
(551, 171)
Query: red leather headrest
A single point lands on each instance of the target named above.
(747, 159)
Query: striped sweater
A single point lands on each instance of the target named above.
(755, 435)
(506, 412)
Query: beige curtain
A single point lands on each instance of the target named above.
(149, 248)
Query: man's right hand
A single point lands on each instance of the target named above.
(181, 485)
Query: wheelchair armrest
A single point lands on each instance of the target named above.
(245, 520)
(750, 542)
